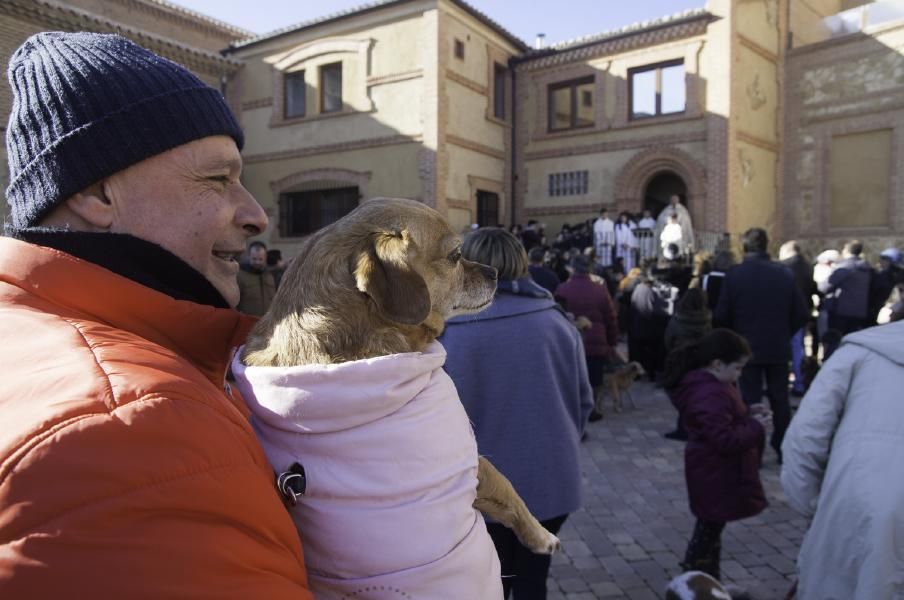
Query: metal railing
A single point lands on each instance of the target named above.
(648, 249)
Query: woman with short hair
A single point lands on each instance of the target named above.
(520, 372)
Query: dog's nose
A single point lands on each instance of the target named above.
(488, 272)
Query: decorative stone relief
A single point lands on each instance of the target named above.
(755, 94)
(771, 12)
(747, 170)
(806, 171)
(873, 73)
(807, 214)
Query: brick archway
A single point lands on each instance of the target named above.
(632, 179)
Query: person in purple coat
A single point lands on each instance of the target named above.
(583, 297)
(725, 437)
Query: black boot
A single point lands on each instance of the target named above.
(705, 549)
(715, 561)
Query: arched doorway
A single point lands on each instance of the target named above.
(639, 179)
(662, 186)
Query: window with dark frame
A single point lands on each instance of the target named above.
(302, 213)
(500, 74)
(487, 208)
(658, 89)
(571, 183)
(570, 104)
(459, 49)
(331, 88)
(294, 95)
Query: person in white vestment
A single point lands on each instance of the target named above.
(671, 239)
(684, 220)
(625, 241)
(604, 238)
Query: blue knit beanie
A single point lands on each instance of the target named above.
(86, 105)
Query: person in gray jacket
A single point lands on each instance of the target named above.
(842, 452)
(520, 372)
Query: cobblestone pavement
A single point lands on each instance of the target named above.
(628, 539)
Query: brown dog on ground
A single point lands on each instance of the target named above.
(620, 381)
(383, 280)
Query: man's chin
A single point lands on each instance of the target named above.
(230, 293)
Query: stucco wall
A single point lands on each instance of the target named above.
(173, 22)
(380, 139)
(806, 19)
(391, 171)
(755, 120)
(474, 151)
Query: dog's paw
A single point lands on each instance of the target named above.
(546, 543)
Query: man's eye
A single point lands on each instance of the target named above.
(220, 178)
(455, 256)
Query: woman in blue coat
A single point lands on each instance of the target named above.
(520, 372)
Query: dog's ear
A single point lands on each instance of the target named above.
(383, 272)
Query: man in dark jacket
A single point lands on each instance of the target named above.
(760, 301)
(543, 276)
(802, 272)
(847, 290)
(256, 283)
(275, 265)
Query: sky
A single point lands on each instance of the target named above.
(560, 20)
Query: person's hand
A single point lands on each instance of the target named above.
(761, 413)
(582, 323)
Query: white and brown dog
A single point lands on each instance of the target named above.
(697, 585)
(344, 376)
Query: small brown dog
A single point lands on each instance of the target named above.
(383, 280)
(620, 381)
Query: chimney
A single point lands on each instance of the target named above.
(541, 41)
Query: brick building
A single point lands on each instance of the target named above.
(786, 114)
(757, 113)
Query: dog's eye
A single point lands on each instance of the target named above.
(455, 256)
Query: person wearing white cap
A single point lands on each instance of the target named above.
(825, 262)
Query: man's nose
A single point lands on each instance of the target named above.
(250, 214)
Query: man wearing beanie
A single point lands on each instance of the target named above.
(128, 468)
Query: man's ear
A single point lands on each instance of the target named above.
(383, 271)
(92, 206)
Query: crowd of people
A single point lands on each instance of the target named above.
(125, 444)
(727, 341)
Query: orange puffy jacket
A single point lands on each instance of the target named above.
(127, 469)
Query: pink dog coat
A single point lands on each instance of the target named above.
(391, 464)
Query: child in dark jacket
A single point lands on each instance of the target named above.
(722, 456)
